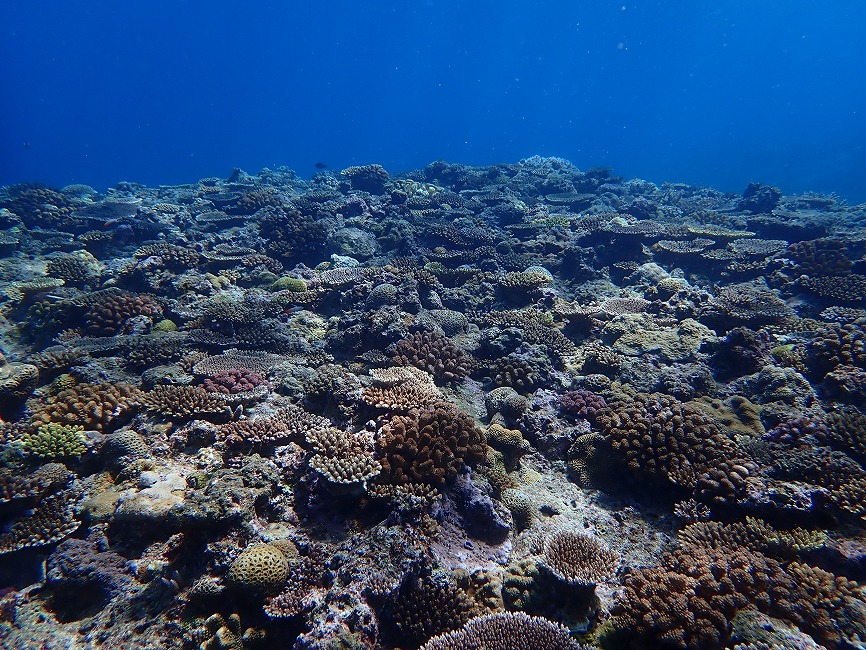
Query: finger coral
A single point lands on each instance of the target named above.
(101, 407)
(659, 437)
(429, 445)
(434, 353)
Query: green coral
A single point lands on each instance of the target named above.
(53, 440)
(286, 283)
(164, 325)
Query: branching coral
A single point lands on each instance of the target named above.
(506, 631)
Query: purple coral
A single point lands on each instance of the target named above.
(581, 404)
(798, 431)
(234, 381)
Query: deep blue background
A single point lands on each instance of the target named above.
(168, 91)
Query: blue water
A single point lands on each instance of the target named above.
(172, 91)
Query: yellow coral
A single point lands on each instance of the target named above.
(55, 440)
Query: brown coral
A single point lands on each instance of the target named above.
(663, 438)
(101, 407)
(429, 445)
(434, 353)
(51, 521)
(429, 605)
(108, 314)
(171, 255)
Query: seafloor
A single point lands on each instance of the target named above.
(516, 407)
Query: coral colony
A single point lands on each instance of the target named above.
(516, 407)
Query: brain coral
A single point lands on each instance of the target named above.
(259, 568)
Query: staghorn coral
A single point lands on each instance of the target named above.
(100, 407)
(260, 568)
(826, 606)
(429, 445)
(250, 434)
(663, 438)
(690, 601)
(845, 289)
(506, 631)
(747, 304)
(400, 389)
(753, 534)
(17, 381)
(433, 353)
(171, 256)
(845, 431)
(44, 479)
(257, 362)
(19, 290)
(577, 559)
(757, 247)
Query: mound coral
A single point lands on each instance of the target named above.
(429, 445)
(260, 568)
(433, 353)
(659, 437)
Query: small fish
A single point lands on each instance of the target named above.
(27, 144)
(320, 165)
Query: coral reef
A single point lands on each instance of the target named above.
(505, 407)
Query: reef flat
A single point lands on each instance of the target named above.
(511, 407)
